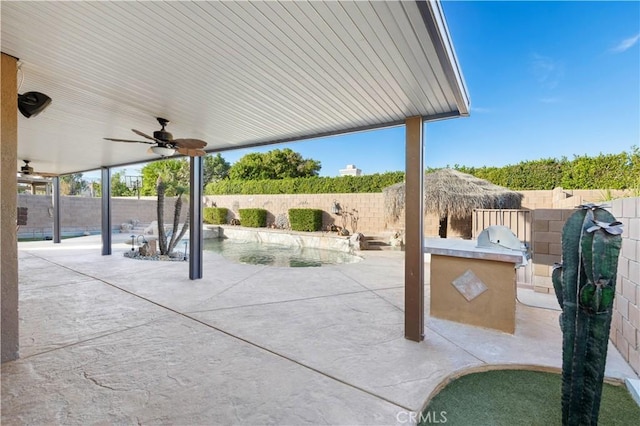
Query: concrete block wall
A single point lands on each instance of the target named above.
(560, 198)
(537, 199)
(83, 214)
(625, 326)
(546, 245)
(547, 249)
(370, 207)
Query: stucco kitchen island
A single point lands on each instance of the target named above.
(473, 285)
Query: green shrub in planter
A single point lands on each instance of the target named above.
(305, 219)
(253, 218)
(215, 215)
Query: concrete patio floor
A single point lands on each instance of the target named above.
(107, 339)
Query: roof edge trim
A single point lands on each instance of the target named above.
(434, 19)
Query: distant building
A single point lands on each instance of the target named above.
(351, 170)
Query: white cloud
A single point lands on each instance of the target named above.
(481, 110)
(626, 44)
(547, 71)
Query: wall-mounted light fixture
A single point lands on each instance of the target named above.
(336, 209)
(31, 104)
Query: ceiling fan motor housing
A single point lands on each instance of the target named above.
(163, 135)
(26, 169)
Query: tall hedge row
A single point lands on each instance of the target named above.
(310, 185)
(604, 171)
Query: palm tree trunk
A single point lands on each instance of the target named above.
(176, 223)
(185, 226)
(162, 237)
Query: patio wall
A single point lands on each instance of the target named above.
(83, 214)
(546, 245)
(370, 207)
(560, 198)
(625, 328)
(547, 249)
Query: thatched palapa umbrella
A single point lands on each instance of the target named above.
(452, 194)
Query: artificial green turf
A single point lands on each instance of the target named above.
(519, 397)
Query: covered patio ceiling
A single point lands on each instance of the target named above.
(235, 74)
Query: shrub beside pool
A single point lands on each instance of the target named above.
(253, 218)
(305, 219)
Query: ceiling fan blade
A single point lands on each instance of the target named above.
(191, 152)
(144, 135)
(189, 143)
(127, 140)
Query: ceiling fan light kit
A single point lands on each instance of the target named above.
(163, 150)
(31, 104)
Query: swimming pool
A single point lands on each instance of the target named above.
(255, 253)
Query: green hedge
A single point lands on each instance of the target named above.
(305, 219)
(604, 171)
(253, 218)
(215, 215)
(309, 185)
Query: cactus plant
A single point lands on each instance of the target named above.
(585, 287)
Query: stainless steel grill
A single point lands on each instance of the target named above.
(501, 237)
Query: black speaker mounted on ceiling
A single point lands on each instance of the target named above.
(31, 104)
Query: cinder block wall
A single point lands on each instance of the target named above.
(546, 245)
(83, 214)
(547, 249)
(568, 198)
(370, 207)
(625, 327)
(537, 199)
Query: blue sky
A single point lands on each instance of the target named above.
(546, 79)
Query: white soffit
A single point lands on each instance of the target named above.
(235, 74)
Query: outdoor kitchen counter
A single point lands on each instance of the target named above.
(470, 250)
(473, 285)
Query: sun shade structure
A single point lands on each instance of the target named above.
(234, 74)
(450, 193)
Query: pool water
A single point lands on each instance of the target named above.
(255, 253)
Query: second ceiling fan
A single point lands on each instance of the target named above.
(164, 144)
